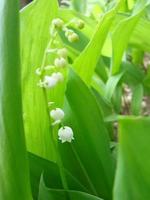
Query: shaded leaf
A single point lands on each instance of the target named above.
(14, 174)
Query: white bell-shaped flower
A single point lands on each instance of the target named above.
(49, 82)
(65, 134)
(58, 76)
(57, 115)
(62, 52)
(60, 62)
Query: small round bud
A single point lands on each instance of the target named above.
(58, 23)
(68, 32)
(38, 71)
(62, 53)
(80, 24)
(65, 134)
(73, 37)
(60, 62)
(57, 114)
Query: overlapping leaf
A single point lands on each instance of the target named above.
(124, 29)
(85, 64)
(14, 181)
(35, 23)
(133, 175)
(88, 158)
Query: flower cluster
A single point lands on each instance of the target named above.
(59, 62)
(65, 133)
(69, 33)
(50, 81)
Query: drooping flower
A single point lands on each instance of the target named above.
(58, 76)
(65, 134)
(60, 62)
(57, 115)
(49, 82)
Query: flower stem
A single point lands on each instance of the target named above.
(54, 142)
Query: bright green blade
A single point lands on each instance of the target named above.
(88, 157)
(133, 170)
(85, 64)
(14, 176)
(35, 24)
(122, 34)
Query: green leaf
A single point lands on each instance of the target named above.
(85, 64)
(53, 194)
(133, 175)
(121, 35)
(111, 85)
(14, 181)
(88, 157)
(79, 5)
(51, 175)
(136, 104)
(141, 35)
(35, 22)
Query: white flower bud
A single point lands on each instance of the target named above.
(57, 115)
(73, 37)
(49, 82)
(62, 53)
(38, 71)
(80, 24)
(58, 76)
(58, 23)
(60, 62)
(65, 134)
(68, 32)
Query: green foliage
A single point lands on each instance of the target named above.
(34, 38)
(132, 178)
(84, 69)
(13, 157)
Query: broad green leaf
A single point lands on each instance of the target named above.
(121, 35)
(136, 104)
(35, 23)
(85, 64)
(53, 194)
(14, 174)
(141, 35)
(88, 158)
(133, 174)
(51, 175)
